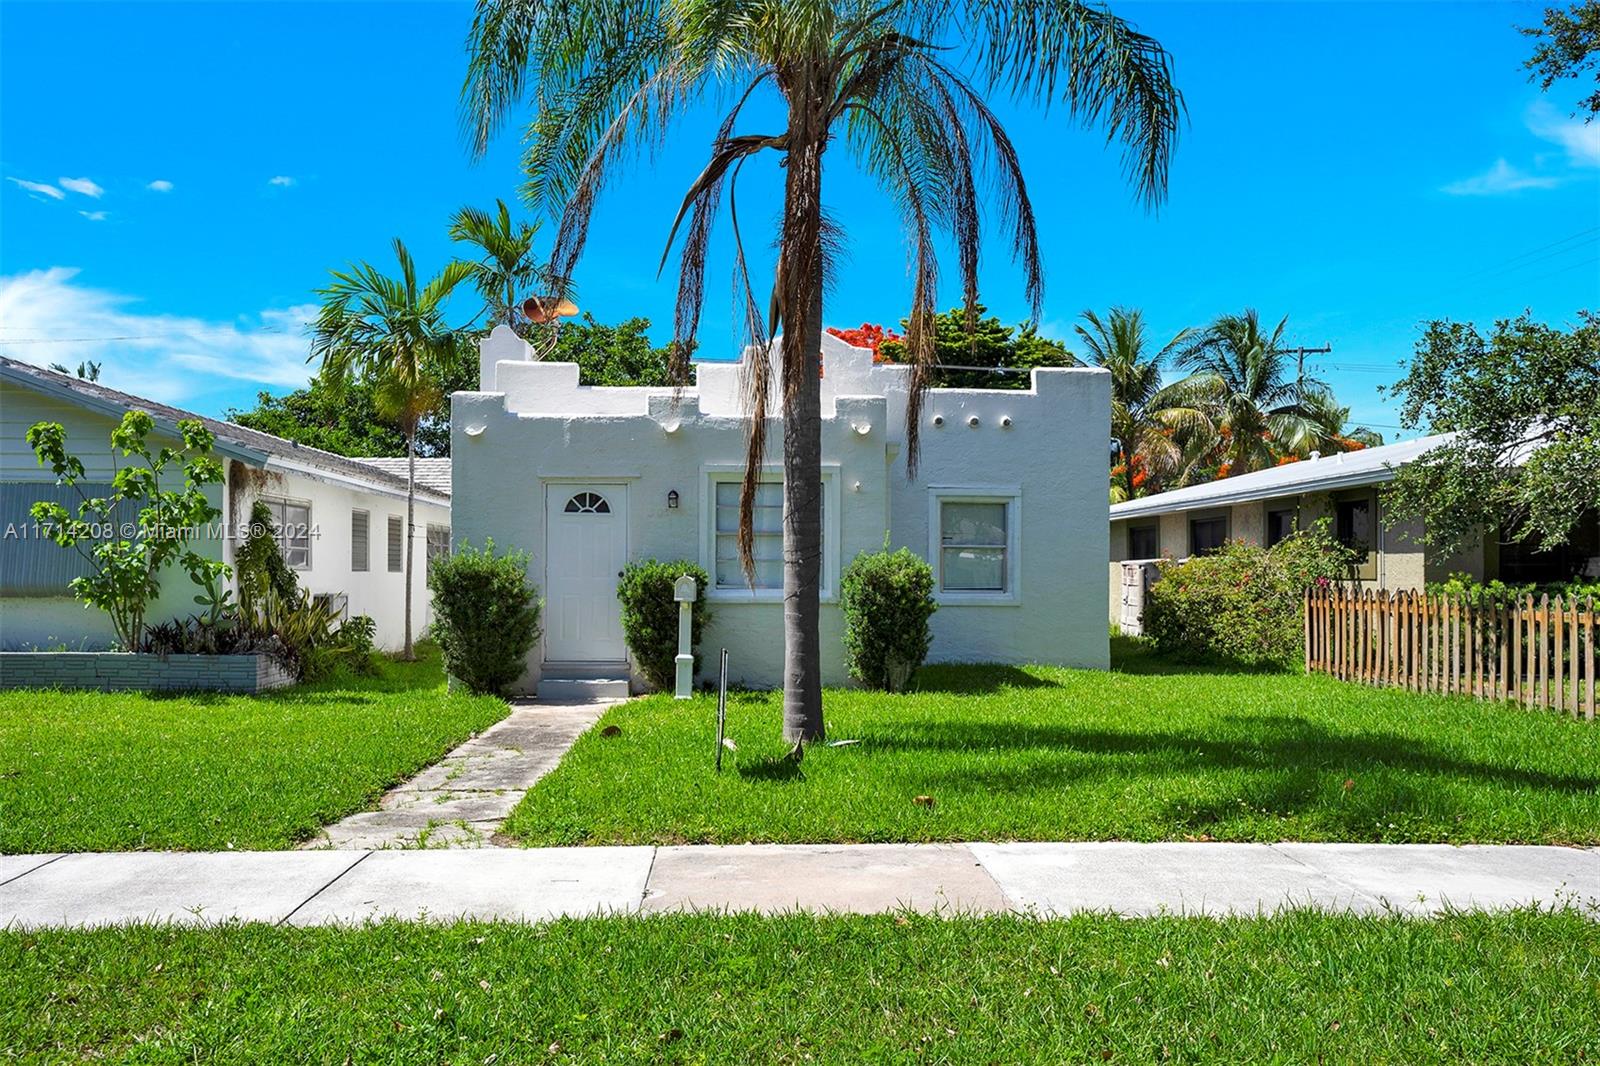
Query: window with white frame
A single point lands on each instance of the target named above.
(974, 549)
(767, 523)
(291, 525)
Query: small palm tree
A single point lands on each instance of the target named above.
(1246, 386)
(505, 267)
(864, 77)
(1146, 419)
(390, 331)
(1335, 434)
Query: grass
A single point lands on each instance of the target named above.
(1147, 752)
(1300, 987)
(92, 771)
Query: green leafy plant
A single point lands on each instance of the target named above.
(299, 631)
(125, 567)
(260, 562)
(486, 615)
(650, 615)
(1242, 604)
(887, 598)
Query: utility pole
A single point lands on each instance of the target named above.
(1300, 360)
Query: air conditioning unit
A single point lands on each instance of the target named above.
(339, 602)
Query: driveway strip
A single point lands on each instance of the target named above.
(1039, 879)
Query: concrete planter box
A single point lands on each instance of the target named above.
(113, 671)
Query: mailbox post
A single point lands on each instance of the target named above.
(685, 591)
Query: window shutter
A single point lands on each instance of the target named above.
(397, 544)
(359, 524)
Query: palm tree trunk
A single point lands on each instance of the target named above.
(801, 292)
(408, 652)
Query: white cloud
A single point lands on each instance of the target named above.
(1500, 179)
(41, 188)
(282, 180)
(165, 357)
(94, 216)
(161, 185)
(83, 186)
(1581, 140)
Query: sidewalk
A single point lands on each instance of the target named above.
(318, 887)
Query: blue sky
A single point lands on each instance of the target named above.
(179, 178)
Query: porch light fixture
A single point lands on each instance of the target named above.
(671, 427)
(475, 430)
(938, 420)
(863, 428)
(972, 420)
(672, 500)
(1005, 423)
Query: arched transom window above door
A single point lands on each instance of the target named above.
(587, 503)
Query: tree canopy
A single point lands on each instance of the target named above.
(345, 419)
(982, 341)
(1569, 47)
(1525, 407)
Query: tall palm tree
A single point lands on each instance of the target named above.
(609, 76)
(505, 266)
(392, 332)
(1145, 418)
(1248, 388)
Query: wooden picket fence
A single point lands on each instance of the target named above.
(1539, 653)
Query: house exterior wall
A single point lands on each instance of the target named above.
(48, 621)
(377, 591)
(535, 427)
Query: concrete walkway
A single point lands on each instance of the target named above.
(314, 887)
(460, 801)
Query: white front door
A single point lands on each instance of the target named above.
(586, 545)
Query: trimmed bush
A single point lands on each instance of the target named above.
(650, 616)
(1244, 603)
(887, 599)
(485, 615)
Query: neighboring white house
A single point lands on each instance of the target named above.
(1006, 505)
(345, 517)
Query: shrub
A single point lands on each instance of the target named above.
(358, 634)
(887, 599)
(1244, 603)
(1491, 593)
(485, 615)
(650, 616)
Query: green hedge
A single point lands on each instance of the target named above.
(887, 598)
(485, 615)
(650, 616)
(1244, 603)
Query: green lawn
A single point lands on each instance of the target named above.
(90, 771)
(1147, 752)
(1518, 987)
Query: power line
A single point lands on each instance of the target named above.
(1532, 251)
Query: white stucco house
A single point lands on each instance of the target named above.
(1007, 505)
(351, 513)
